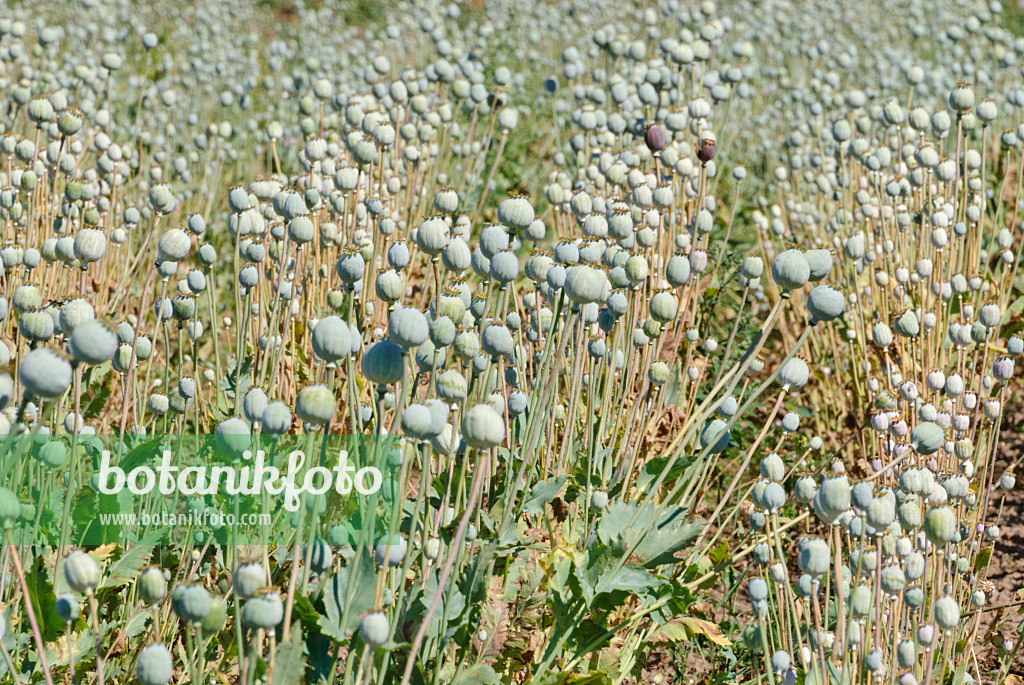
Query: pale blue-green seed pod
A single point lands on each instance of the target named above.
(814, 557)
(154, 665)
(794, 374)
(81, 571)
(663, 306)
(773, 468)
(451, 386)
(790, 270)
(907, 325)
(44, 373)
(940, 525)
(804, 489)
(715, 436)
(92, 342)
(316, 404)
(374, 628)
(926, 438)
(820, 263)
(909, 514)
(330, 339)
(585, 284)
(408, 327)
(825, 303)
(947, 612)
(774, 497)
(832, 498)
(276, 419)
(382, 363)
(264, 611)
(232, 437)
(677, 271)
(881, 335)
(483, 427)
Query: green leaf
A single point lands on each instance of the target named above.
(478, 674)
(542, 493)
(126, 569)
(290, 660)
(671, 533)
(354, 587)
(44, 600)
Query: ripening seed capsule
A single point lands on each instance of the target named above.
(814, 557)
(483, 427)
(940, 525)
(947, 612)
(263, 611)
(825, 303)
(374, 628)
(81, 572)
(44, 373)
(790, 270)
(794, 374)
(316, 404)
(152, 585)
(154, 665)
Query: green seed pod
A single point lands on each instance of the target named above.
(316, 404)
(191, 604)
(906, 653)
(382, 362)
(940, 525)
(820, 263)
(10, 507)
(832, 498)
(67, 608)
(913, 597)
(794, 374)
(663, 306)
(825, 303)
(861, 600)
(92, 342)
(715, 437)
(752, 268)
(909, 514)
(881, 513)
(232, 437)
(331, 339)
(374, 628)
(152, 585)
(174, 245)
(36, 325)
(814, 557)
(927, 438)
(276, 418)
(264, 611)
(408, 327)
(214, 620)
(248, 578)
(881, 335)
(805, 489)
(81, 572)
(483, 427)
(154, 665)
(892, 579)
(451, 386)
(947, 612)
(790, 270)
(585, 284)
(773, 468)
(907, 325)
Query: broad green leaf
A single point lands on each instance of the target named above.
(542, 493)
(290, 661)
(126, 569)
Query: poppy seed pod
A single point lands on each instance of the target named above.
(90, 245)
(408, 327)
(432, 235)
(820, 263)
(961, 98)
(790, 270)
(350, 267)
(174, 245)
(926, 438)
(584, 284)
(154, 665)
(825, 303)
(248, 578)
(654, 137)
(316, 404)
(81, 572)
(276, 418)
(794, 374)
(483, 427)
(92, 342)
(331, 339)
(374, 628)
(881, 335)
(263, 611)
(44, 373)
(706, 148)
(947, 612)
(814, 557)
(940, 525)
(382, 363)
(715, 436)
(907, 325)
(832, 498)
(152, 585)
(516, 213)
(677, 271)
